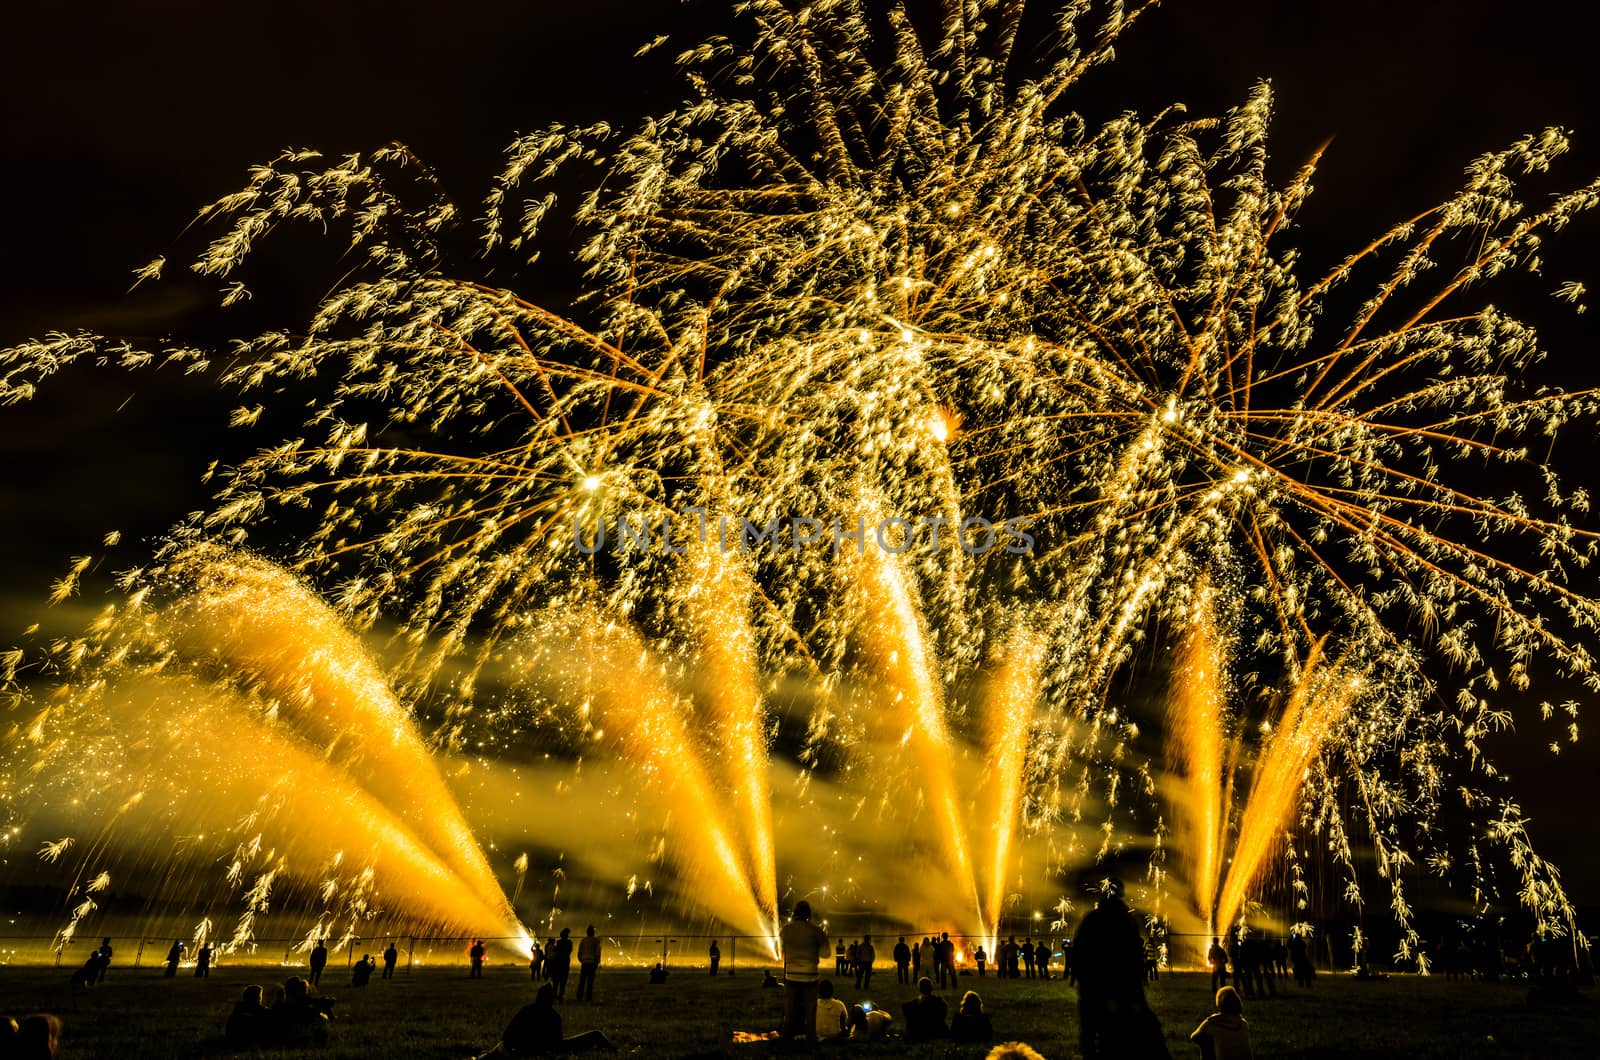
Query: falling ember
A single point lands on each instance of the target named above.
(1317, 705)
(1197, 719)
(1008, 721)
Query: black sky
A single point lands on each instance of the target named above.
(119, 120)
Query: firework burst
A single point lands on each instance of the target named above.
(875, 259)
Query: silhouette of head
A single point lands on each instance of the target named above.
(565, 933)
(38, 1035)
(546, 997)
(1013, 1051)
(802, 910)
(971, 1003)
(1228, 1001)
(294, 989)
(590, 932)
(866, 938)
(251, 995)
(924, 985)
(826, 989)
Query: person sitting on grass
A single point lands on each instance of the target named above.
(248, 1022)
(36, 1038)
(536, 1031)
(971, 1023)
(868, 1023)
(299, 1019)
(925, 1014)
(658, 974)
(1224, 1035)
(833, 1022)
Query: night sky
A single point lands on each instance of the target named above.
(120, 120)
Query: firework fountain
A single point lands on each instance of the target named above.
(872, 259)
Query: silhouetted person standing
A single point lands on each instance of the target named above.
(202, 964)
(319, 961)
(105, 958)
(802, 945)
(716, 956)
(944, 958)
(558, 960)
(1027, 957)
(866, 954)
(588, 964)
(902, 961)
(1300, 960)
(1217, 957)
(174, 955)
(839, 958)
(1108, 958)
(475, 954)
(390, 956)
(1236, 962)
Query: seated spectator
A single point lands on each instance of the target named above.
(36, 1038)
(769, 980)
(536, 1031)
(299, 1019)
(248, 1023)
(833, 1021)
(868, 1023)
(361, 974)
(658, 974)
(925, 1014)
(971, 1023)
(1224, 1035)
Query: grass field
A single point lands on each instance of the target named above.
(441, 1013)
